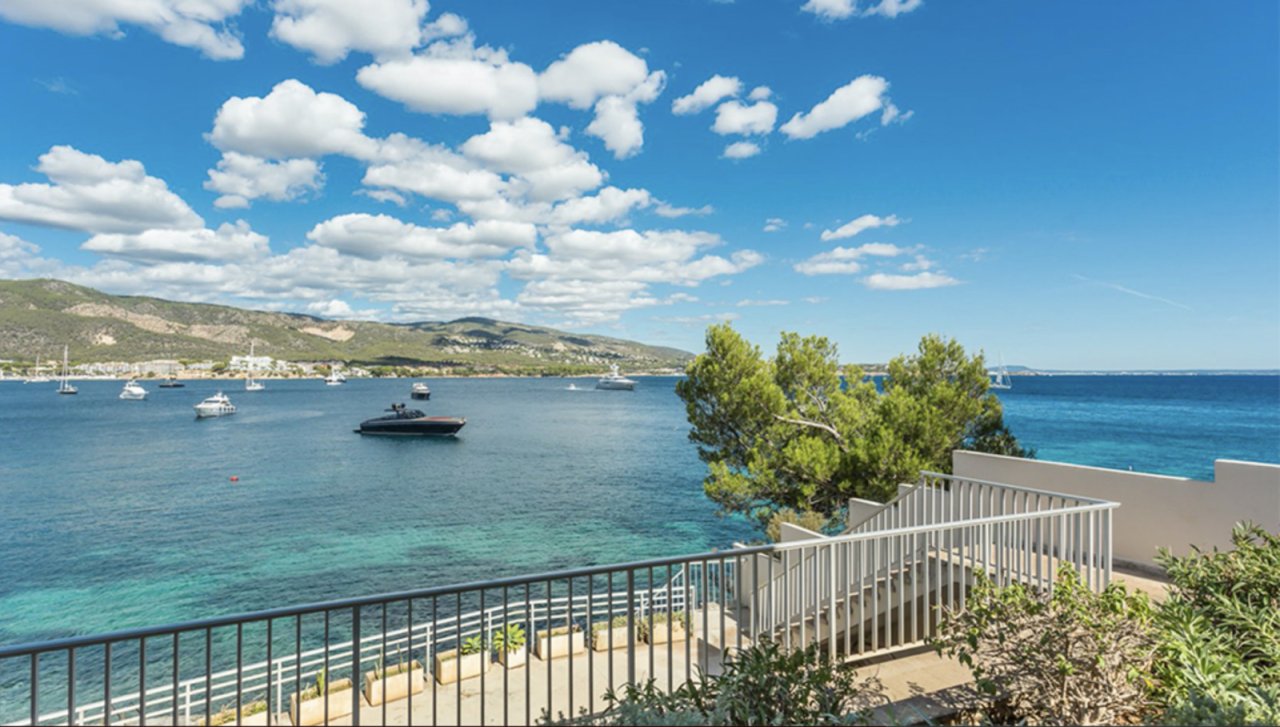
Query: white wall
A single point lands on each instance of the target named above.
(1155, 510)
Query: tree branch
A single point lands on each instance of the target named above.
(816, 425)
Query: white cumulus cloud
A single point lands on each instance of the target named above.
(707, 94)
(199, 24)
(741, 150)
(861, 224)
(291, 121)
(330, 29)
(919, 281)
(241, 178)
(94, 195)
(733, 117)
(862, 96)
(377, 236)
(229, 242)
(455, 77)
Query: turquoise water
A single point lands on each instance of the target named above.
(121, 514)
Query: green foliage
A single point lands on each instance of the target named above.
(659, 619)
(613, 623)
(1220, 633)
(808, 520)
(472, 645)
(509, 638)
(792, 432)
(1073, 657)
(762, 685)
(227, 715)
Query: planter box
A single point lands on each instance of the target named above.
(659, 633)
(560, 645)
(513, 659)
(600, 638)
(454, 667)
(311, 711)
(397, 686)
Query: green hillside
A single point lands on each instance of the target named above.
(40, 316)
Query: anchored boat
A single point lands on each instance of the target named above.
(420, 391)
(133, 391)
(215, 406)
(411, 422)
(614, 381)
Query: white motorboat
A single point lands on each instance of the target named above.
(64, 386)
(133, 391)
(614, 381)
(420, 391)
(335, 378)
(250, 383)
(39, 377)
(215, 406)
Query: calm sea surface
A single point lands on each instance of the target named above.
(117, 514)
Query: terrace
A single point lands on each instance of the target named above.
(870, 595)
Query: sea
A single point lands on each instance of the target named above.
(118, 514)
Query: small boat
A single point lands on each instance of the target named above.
(1002, 378)
(420, 391)
(171, 381)
(411, 422)
(215, 406)
(40, 377)
(250, 383)
(64, 386)
(614, 381)
(335, 378)
(133, 391)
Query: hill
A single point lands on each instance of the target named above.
(40, 316)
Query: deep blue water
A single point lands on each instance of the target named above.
(118, 514)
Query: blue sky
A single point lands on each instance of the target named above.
(1065, 186)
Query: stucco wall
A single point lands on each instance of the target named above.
(1155, 510)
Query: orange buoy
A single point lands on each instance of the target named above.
(234, 478)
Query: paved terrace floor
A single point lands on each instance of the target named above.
(918, 681)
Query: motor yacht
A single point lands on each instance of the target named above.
(614, 381)
(215, 406)
(420, 391)
(133, 391)
(411, 422)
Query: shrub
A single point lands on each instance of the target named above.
(807, 519)
(1219, 653)
(1073, 657)
(678, 619)
(762, 685)
(509, 638)
(472, 645)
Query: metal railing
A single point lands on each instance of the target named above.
(865, 592)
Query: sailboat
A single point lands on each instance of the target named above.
(64, 386)
(250, 384)
(1002, 377)
(39, 377)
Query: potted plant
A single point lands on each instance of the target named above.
(465, 662)
(307, 707)
(385, 684)
(252, 713)
(672, 626)
(611, 634)
(509, 641)
(560, 641)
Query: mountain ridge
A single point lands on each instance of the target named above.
(42, 315)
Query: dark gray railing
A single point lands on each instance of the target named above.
(867, 592)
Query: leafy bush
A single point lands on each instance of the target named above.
(806, 519)
(509, 638)
(762, 685)
(678, 619)
(472, 645)
(1219, 655)
(1074, 657)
